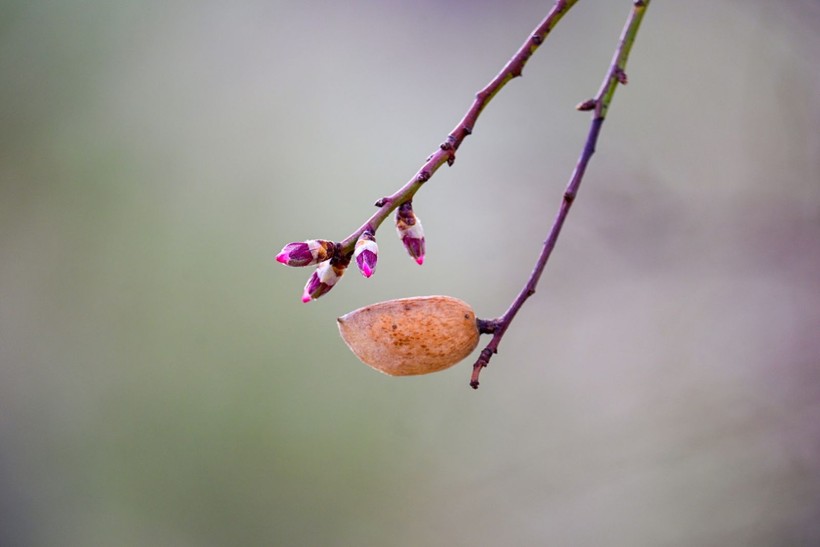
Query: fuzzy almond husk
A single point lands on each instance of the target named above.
(411, 336)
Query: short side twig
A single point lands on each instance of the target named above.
(599, 105)
(446, 152)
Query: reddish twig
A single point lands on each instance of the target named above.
(446, 152)
(599, 105)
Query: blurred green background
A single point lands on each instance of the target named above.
(162, 384)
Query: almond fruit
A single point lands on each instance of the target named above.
(411, 336)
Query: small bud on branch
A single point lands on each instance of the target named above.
(366, 254)
(306, 253)
(410, 232)
(587, 105)
(322, 280)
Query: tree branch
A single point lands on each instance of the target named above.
(599, 105)
(446, 152)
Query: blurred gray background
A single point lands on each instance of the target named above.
(162, 384)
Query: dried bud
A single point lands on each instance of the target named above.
(411, 336)
(306, 253)
(366, 253)
(322, 280)
(408, 225)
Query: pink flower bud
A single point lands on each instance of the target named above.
(322, 280)
(408, 225)
(366, 253)
(306, 253)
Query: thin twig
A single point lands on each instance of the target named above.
(599, 104)
(446, 152)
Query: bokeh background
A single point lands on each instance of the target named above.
(162, 384)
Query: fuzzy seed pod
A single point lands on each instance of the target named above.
(411, 336)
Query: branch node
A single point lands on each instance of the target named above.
(423, 177)
(487, 326)
(620, 75)
(382, 202)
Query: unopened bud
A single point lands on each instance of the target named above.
(587, 105)
(306, 253)
(408, 225)
(366, 253)
(322, 280)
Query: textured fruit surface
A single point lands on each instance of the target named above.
(411, 336)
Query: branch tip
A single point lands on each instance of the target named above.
(481, 362)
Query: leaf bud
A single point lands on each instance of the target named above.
(322, 280)
(366, 253)
(410, 231)
(306, 253)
